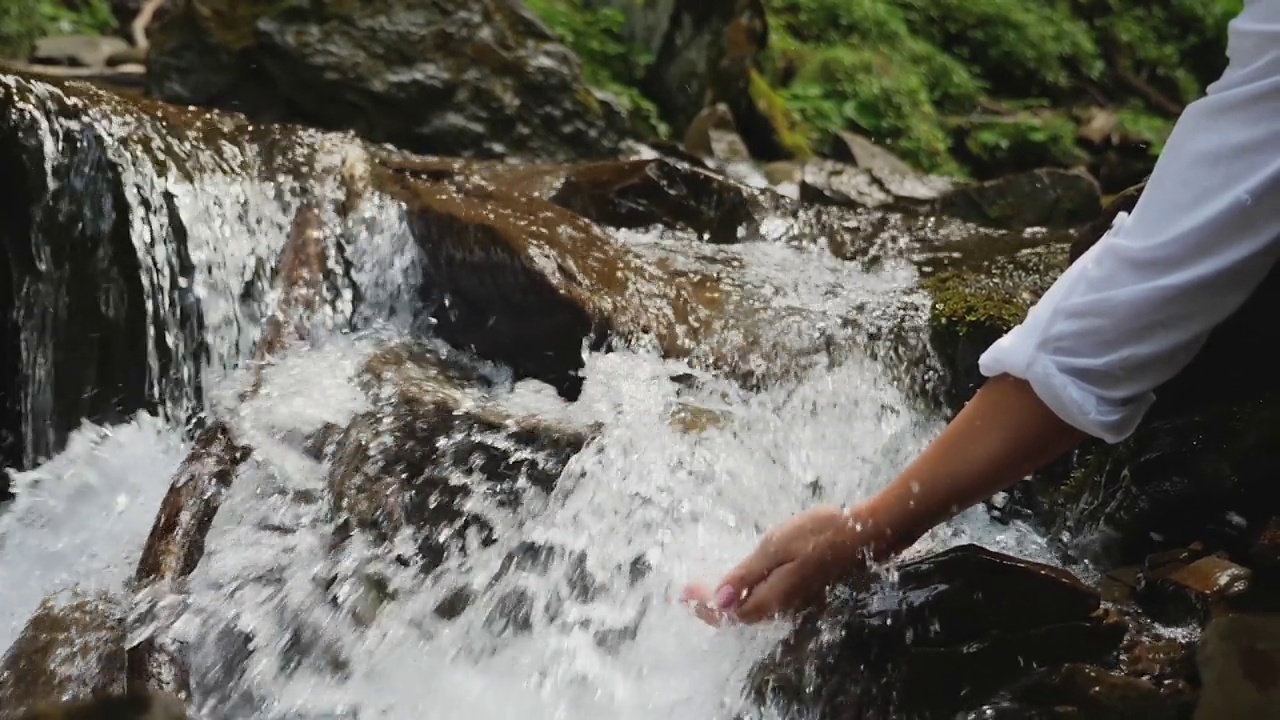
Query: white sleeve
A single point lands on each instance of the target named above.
(1137, 306)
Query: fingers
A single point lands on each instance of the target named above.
(739, 583)
(699, 598)
(772, 597)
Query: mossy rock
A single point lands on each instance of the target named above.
(459, 78)
(982, 295)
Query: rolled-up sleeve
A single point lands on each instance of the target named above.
(1137, 306)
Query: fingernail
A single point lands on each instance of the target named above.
(726, 597)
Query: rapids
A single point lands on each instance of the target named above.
(263, 632)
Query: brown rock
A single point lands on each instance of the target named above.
(644, 193)
(1187, 593)
(1099, 694)
(713, 134)
(176, 542)
(72, 648)
(1239, 664)
(952, 630)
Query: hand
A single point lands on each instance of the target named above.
(790, 570)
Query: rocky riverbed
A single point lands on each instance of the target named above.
(401, 400)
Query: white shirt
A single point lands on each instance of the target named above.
(1136, 308)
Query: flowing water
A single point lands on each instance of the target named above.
(266, 618)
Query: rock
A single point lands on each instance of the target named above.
(713, 134)
(175, 546)
(644, 193)
(834, 183)
(419, 462)
(1048, 197)
(901, 180)
(704, 57)
(947, 634)
(82, 304)
(89, 51)
(784, 172)
(131, 706)
(1183, 594)
(484, 78)
(527, 283)
(1090, 234)
(131, 56)
(980, 296)
(1239, 664)
(176, 543)
(1099, 694)
(72, 648)
(6, 486)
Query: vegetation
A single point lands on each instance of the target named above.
(608, 62)
(22, 22)
(964, 87)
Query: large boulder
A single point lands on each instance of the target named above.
(457, 77)
(950, 631)
(72, 648)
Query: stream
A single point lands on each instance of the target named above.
(277, 624)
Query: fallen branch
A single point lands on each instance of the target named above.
(142, 21)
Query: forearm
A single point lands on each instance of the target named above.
(1001, 435)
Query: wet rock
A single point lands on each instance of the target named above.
(1098, 694)
(484, 78)
(1047, 197)
(1093, 232)
(130, 706)
(644, 193)
(77, 50)
(72, 648)
(176, 543)
(6, 486)
(175, 546)
(713, 134)
(436, 459)
(79, 302)
(980, 297)
(949, 632)
(1239, 664)
(1184, 594)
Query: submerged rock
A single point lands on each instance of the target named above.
(946, 634)
(436, 456)
(481, 77)
(72, 648)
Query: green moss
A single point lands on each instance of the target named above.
(991, 86)
(609, 63)
(775, 108)
(991, 145)
(22, 22)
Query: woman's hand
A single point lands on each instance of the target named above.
(790, 570)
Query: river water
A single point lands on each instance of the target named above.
(263, 634)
